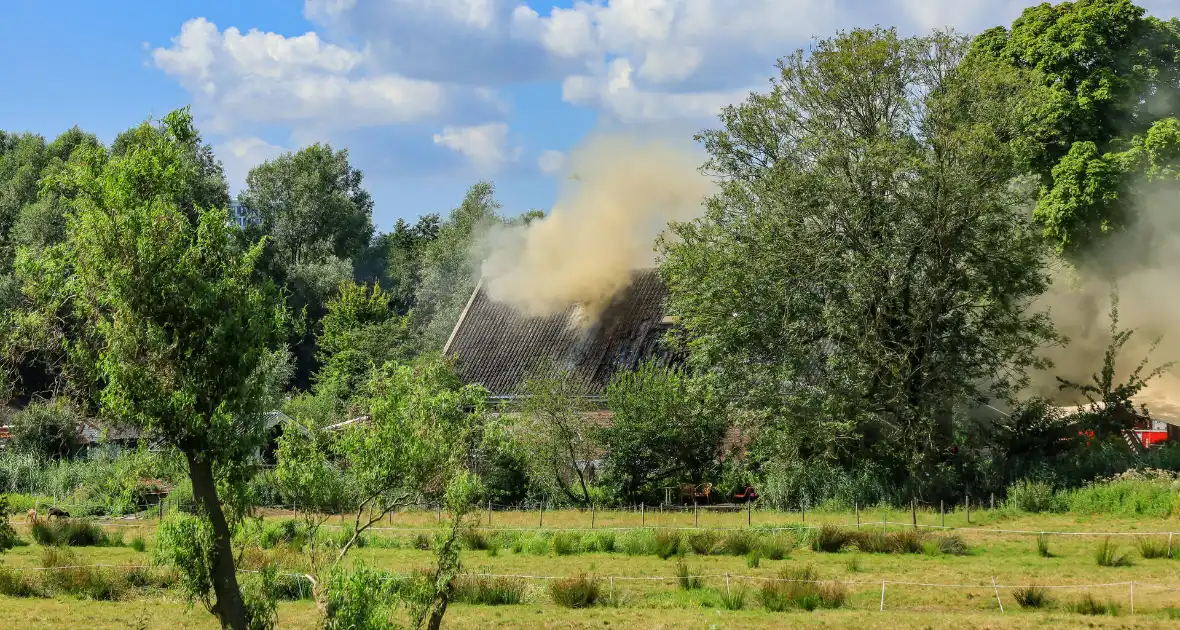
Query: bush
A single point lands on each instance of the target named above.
(1107, 555)
(1043, 547)
(906, 541)
(358, 597)
(1031, 596)
(739, 542)
(800, 588)
(47, 429)
(639, 543)
(73, 533)
(566, 543)
(831, 539)
(754, 559)
(666, 543)
(14, 583)
(774, 547)
(852, 565)
(8, 537)
(688, 578)
(1151, 549)
(64, 576)
(473, 539)
(421, 542)
(1088, 605)
(702, 542)
(1133, 493)
(1032, 496)
(284, 532)
(734, 599)
(952, 545)
(605, 542)
(578, 591)
(139, 544)
(489, 591)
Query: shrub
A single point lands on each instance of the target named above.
(1088, 605)
(605, 542)
(1151, 549)
(358, 597)
(702, 542)
(489, 591)
(285, 532)
(638, 543)
(774, 548)
(754, 559)
(421, 542)
(800, 588)
(872, 542)
(1031, 496)
(578, 591)
(906, 541)
(852, 565)
(1043, 547)
(739, 542)
(566, 543)
(8, 537)
(1031, 596)
(830, 539)
(538, 545)
(73, 533)
(666, 543)
(47, 429)
(734, 599)
(953, 545)
(688, 578)
(1107, 555)
(65, 576)
(139, 544)
(14, 583)
(473, 539)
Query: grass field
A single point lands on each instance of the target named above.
(635, 597)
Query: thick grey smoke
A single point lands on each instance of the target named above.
(619, 195)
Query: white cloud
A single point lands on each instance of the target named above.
(261, 77)
(240, 154)
(617, 94)
(486, 146)
(551, 161)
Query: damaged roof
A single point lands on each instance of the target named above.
(497, 346)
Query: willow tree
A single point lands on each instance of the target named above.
(869, 263)
(178, 331)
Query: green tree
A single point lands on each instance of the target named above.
(359, 332)
(179, 329)
(557, 427)
(48, 429)
(663, 433)
(869, 263)
(1105, 76)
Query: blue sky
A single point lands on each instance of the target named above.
(429, 96)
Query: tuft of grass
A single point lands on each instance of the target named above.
(566, 543)
(1088, 605)
(734, 599)
(872, 542)
(852, 565)
(666, 544)
(1151, 549)
(139, 544)
(800, 589)
(688, 577)
(739, 542)
(474, 540)
(577, 591)
(14, 583)
(774, 548)
(73, 533)
(1043, 547)
(489, 591)
(493, 550)
(65, 576)
(605, 542)
(1032, 596)
(421, 542)
(1108, 555)
(953, 545)
(702, 543)
(906, 541)
(754, 559)
(638, 543)
(831, 539)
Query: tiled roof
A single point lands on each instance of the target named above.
(497, 346)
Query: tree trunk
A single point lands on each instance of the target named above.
(228, 608)
(440, 609)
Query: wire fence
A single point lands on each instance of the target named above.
(729, 580)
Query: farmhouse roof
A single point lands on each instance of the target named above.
(497, 345)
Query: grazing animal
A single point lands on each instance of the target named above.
(31, 516)
(59, 513)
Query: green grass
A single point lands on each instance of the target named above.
(688, 577)
(1087, 604)
(578, 591)
(799, 588)
(73, 533)
(1108, 555)
(1032, 596)
(489, 591)
(1151, 548)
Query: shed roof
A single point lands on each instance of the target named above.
(497, 345)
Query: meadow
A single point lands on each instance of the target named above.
(787, 569)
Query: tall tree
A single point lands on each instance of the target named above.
(1106, 77)
(179, 330)
(868, 264)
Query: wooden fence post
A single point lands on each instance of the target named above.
(942, 511)
(695, 514)
(593, 509)
(856, 508)
(642, 516)
(749, 517)
(882, 595)
(997, 590)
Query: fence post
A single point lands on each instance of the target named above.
(612, 589)
(968, 496)
(728, 594)
(1132, 597)
(750, 518)
(884, 520)
(1170, 544)
(942, 511)
(695, 514)
(642, 516)
(541, 515)
(997, 590)
(856, 508)
(882, 595)
(489, 513)
(803, 509)
(993, 508)
(439, 506)
(914, 512)
(593, 509)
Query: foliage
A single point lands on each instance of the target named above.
(8, 537)
(1108, 555)
(1104, 76)
(868, 265)
(489, 590)
(831, 539)
(186, 542)
(73, 533)
(1032, 496)
(688, 577)
(1032, 596)
(800, 588)
(664, 432)
(1087, 604)
(1150, 548)
(47, 428)
(559, 434)
(578, 591)
(358, 598)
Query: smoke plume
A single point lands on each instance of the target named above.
(1143, 262)
(619, 195)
